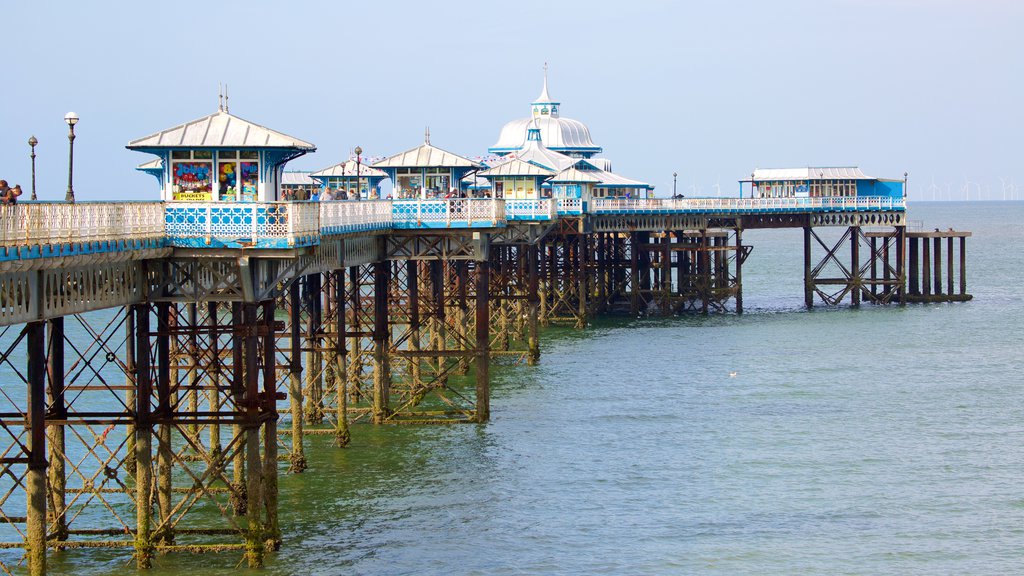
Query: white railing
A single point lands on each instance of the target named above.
(36, 223)
(570, 205)
(746, 204)
(242, 220)
(448, 212)
(354, 216)
(530, 209)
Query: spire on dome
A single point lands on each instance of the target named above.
(544, 105)
(544, 97)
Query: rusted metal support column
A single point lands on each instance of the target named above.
(874, 264)
(35, 477)
(462, 310)
(412, 277)
(58, 411)
(297, 459)
(238, 328)
(808, 280)
(949, 266)
(583, 275)
(915, 284)
(602, 271)
(938, 265)
(887, 288)
(381, 337)
(634, 274)
(963, 265)
(314, 397)
(342, 435)
(355, 364)
(926, 263)
(705, 272)
(217, 375)
(192, 374)
(144, 545)
(532, 304)
(164, 450)
(901, 263)
(440, 332)
(254, 544)
(483, 353)
(856, 282)
(739, 271)
(666, 273)
(268, 408)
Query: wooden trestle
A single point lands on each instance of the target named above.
(154, 427)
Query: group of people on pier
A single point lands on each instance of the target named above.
(9, 195)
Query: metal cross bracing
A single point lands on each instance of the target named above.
(839, 274)
(156, 404)
(668, 272)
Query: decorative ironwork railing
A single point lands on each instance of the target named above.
(270, 224)
(42, 223)
(570, 205)
(753, 205)
(354, 216)
(530, 209)
(290, 224)
(448, 213)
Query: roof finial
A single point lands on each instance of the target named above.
(544, 97)
(426, 136)
(225, 97)
(220, 96)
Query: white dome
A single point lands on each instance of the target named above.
(557, 133)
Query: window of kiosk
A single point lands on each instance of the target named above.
(499, 188)
(438, 181)
(238, 175)
(409, 182)
(192, 176)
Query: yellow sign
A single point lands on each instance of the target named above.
(193, 196)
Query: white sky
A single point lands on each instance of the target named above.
(707, 89)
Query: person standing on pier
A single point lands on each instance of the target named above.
(9, 196)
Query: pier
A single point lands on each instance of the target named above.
(200, 326)
(165, 361)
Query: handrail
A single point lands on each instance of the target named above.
(304, 223)
(746, 204)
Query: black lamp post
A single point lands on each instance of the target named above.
(359, 161)
(71, 118)
(32, 142)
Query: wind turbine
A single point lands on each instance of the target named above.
(966, 189)
(934, 188)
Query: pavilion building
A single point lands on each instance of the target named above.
(351, 175)
(427, 171)
(219, 157)
(815, 182)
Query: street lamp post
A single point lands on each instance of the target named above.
(32, 142)
(359, 161)
(71, 118)
(674, 175)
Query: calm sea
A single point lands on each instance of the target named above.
(872, 441)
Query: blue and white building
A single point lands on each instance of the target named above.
(219, 157)
(819, 182)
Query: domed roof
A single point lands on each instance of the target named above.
(557, 133)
